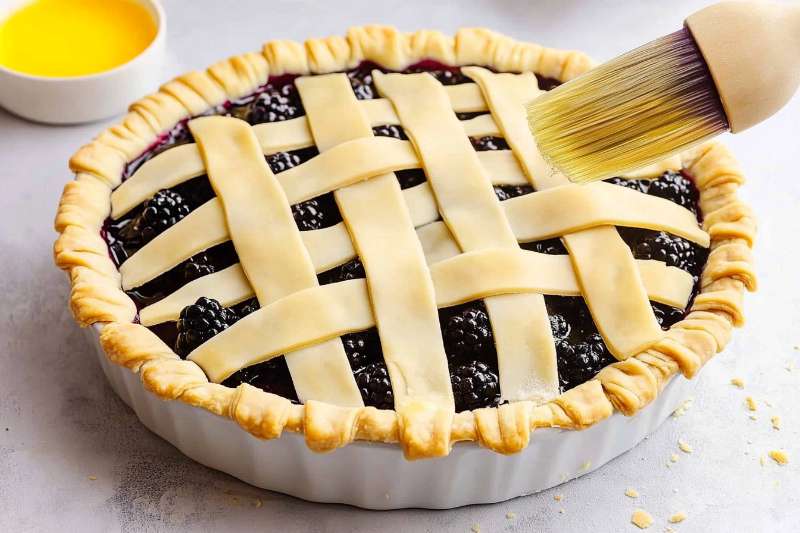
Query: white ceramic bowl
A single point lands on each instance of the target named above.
(376, 476)
(73, 100)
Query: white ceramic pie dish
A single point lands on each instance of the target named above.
(377, 476)
(73, 100)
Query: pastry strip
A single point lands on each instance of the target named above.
(458, 279)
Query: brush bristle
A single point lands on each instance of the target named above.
(635, 110)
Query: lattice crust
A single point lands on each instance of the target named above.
(414, 261)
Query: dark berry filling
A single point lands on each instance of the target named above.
(351, 270)
(466, 328)
(375, 386)
(475, 385)
(484, 144)
(467, 333)
(580, 350)
(506, 192)
(201, 321)
(317, 213)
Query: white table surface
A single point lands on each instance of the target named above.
(60, 422)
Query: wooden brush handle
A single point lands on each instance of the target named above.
(753, 52)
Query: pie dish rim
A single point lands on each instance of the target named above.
(626, 386)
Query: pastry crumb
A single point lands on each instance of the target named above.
(737, 382)
(511, 515)
(779, 456)
(677, 518)
(476, 528)
(561, 511)
(586, 466)
(674, 457)
(751, 403)
(258, 503)
(776, 422)
(641, 519)
(92, 478)
(631, 493)
(558, 497)
(682, 408)
(763, 460)
(753, 417)
(684, 446)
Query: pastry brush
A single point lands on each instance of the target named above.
(730, 67)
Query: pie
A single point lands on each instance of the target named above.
(356, 238)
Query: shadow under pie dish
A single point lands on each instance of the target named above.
(355, 238)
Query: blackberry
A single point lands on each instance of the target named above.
(411, 177)
(276, 104)
(247, 307)
(195, 267)
(317, 213)
(390, 130)
(376, 389)
(199, 322)
(485, 144)
(578, 363)
(559, 326)
(467, 332)
(160, 212)
(351, 270)
(636, 185)
(666, 315)
(270, 376)
(281, 161)
(677, 188)
(661, 246)
(196, 191)
(506, 192)
(362, 348)
(548, 246)
(474, 386)
(545, 83)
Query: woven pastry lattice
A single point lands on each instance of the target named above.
(440, 243)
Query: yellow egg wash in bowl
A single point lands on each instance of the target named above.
(68, 38)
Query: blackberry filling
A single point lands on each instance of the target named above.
(201, 321)
(317, 213)
(466, 329)
(159, 213)
(466, 332)
(475, 386)
(375, 387)
(485, 144)
(362, 348)
(270, 376)
(506, 192)
(390, 130)
(351, 270)
(214, 259)
(580, 351)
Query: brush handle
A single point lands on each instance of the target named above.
(753, 52)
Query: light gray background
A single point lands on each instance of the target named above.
(60, 422)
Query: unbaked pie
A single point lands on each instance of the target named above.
(357, 238)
